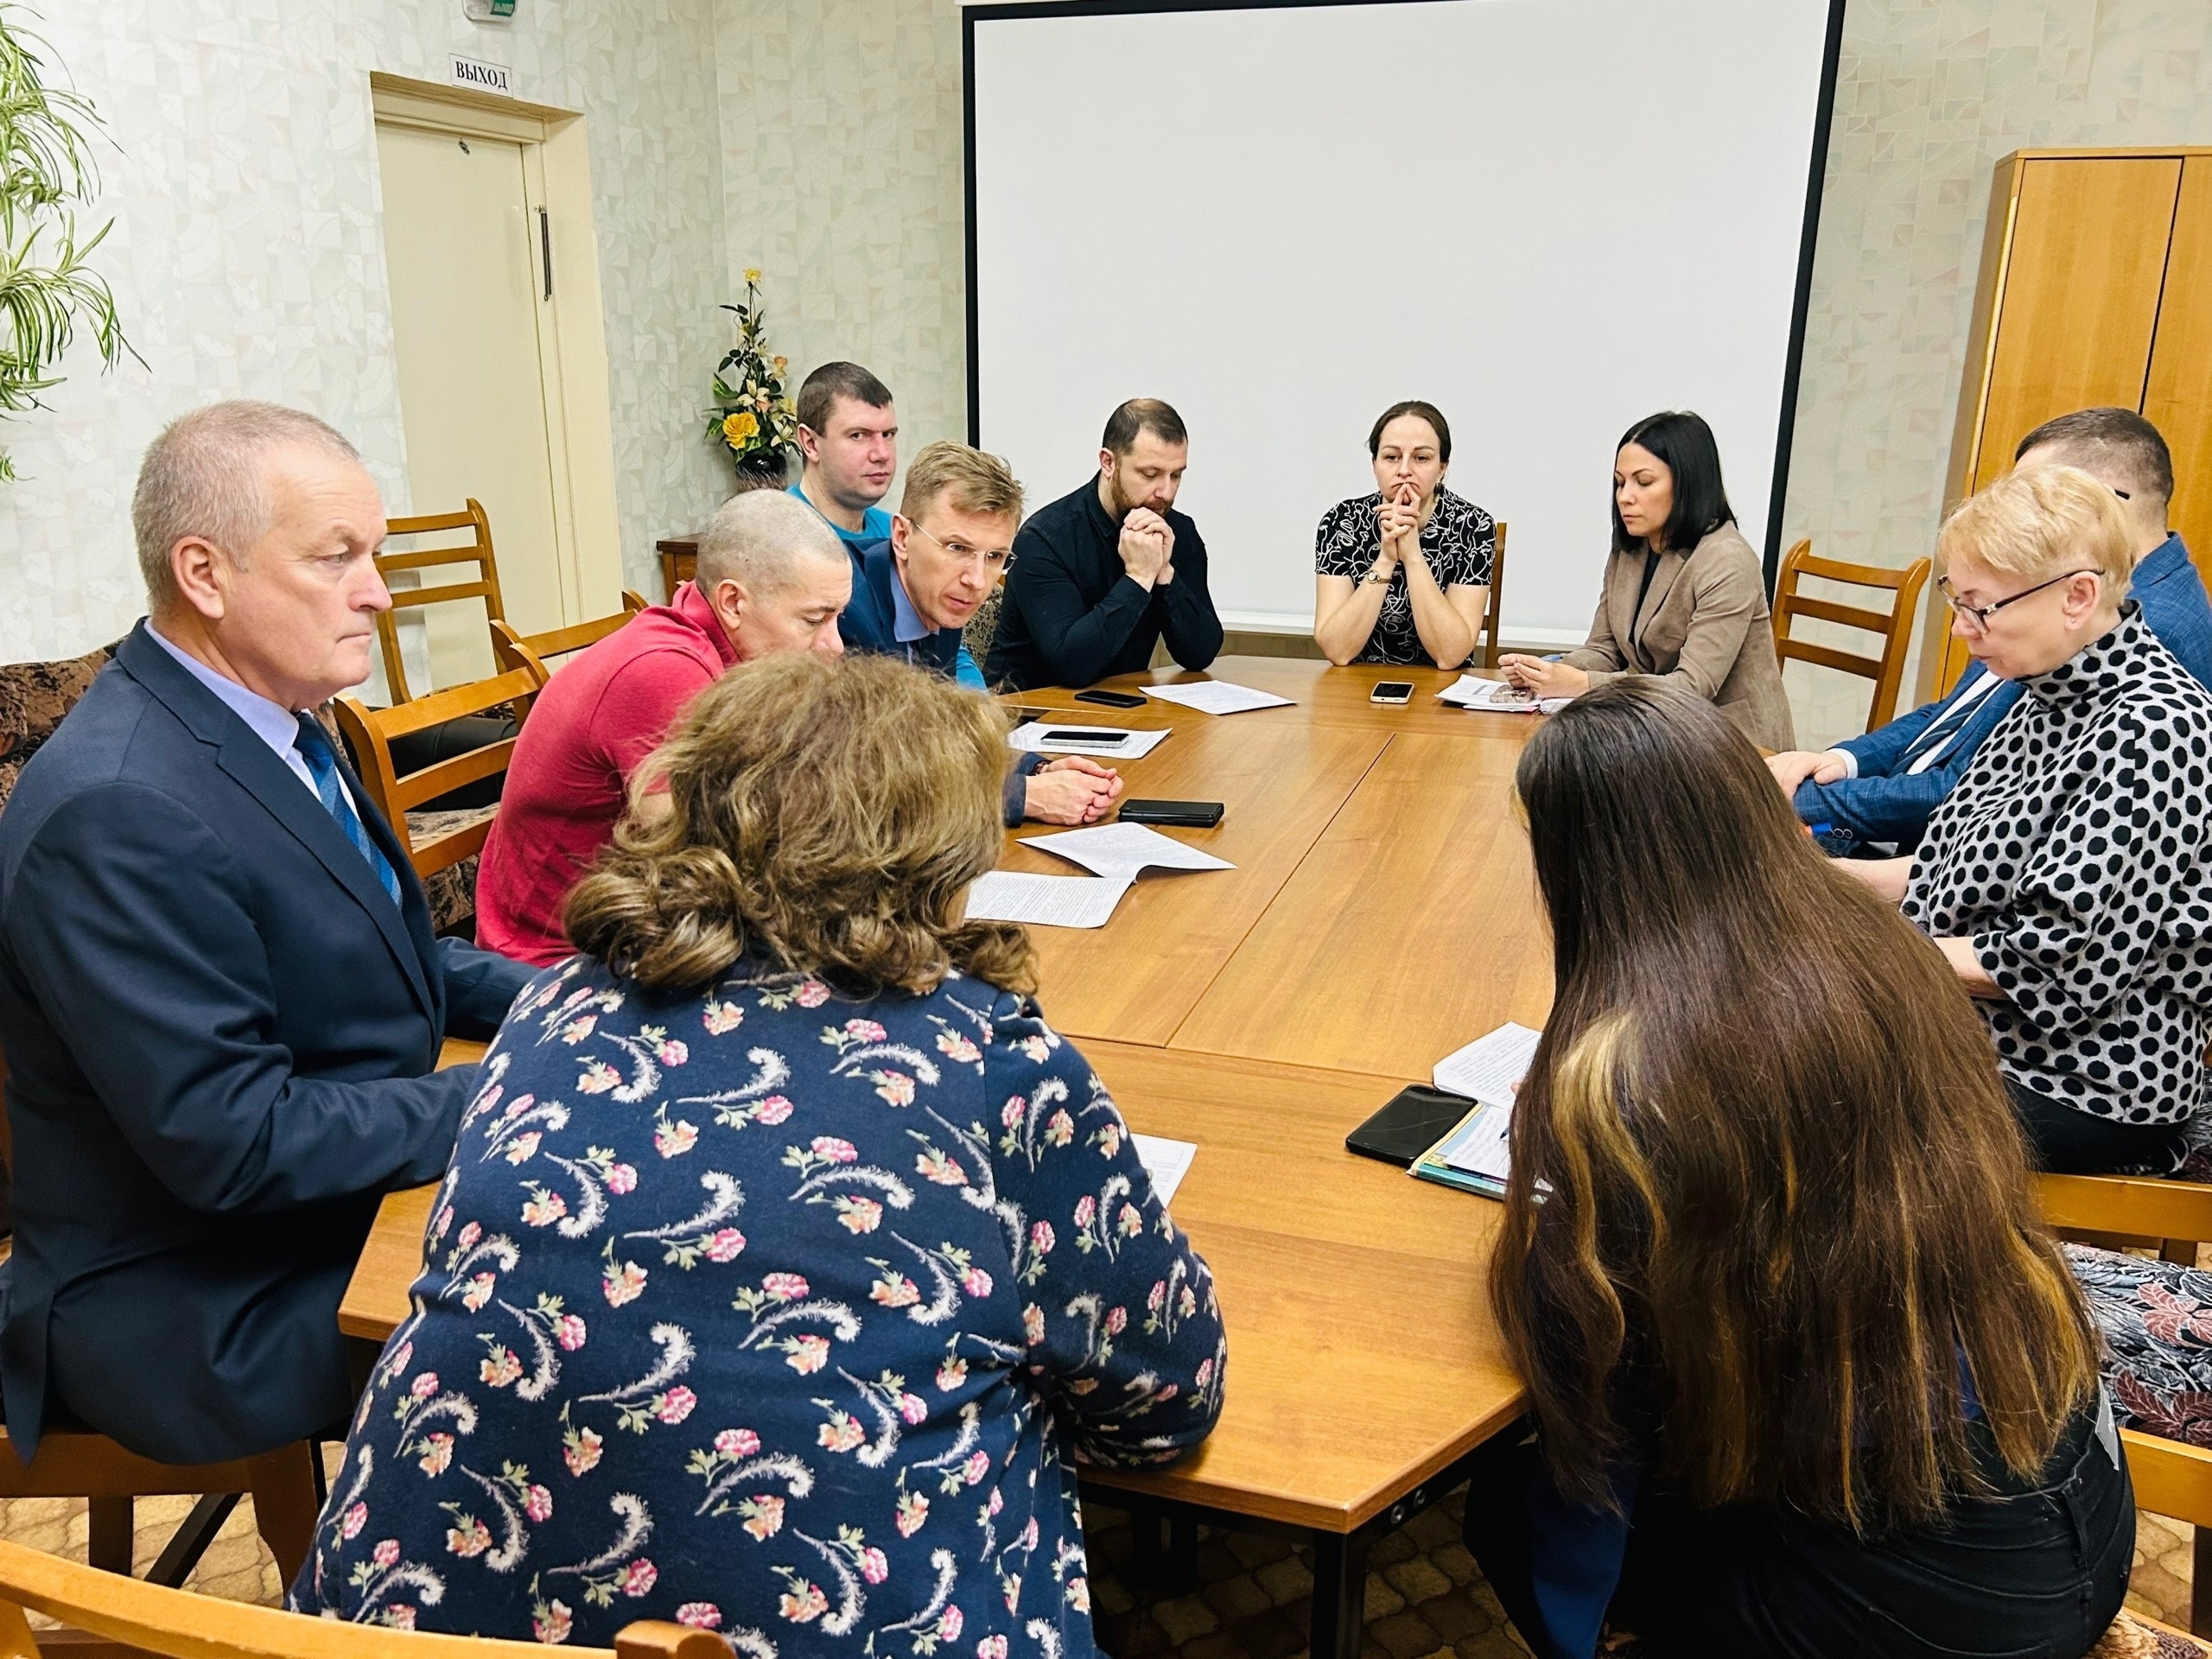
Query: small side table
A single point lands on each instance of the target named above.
(679, 560)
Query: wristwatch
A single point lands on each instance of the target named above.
(1370, 580)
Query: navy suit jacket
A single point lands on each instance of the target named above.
(869, 624)
(221, 1036)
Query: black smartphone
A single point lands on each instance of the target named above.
(1100, 737)
(1112, 699)
(1392, 691)
(1192, 815)
(1415, 1119)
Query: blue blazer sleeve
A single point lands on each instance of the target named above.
(1879, 751)
(479, 984)
(1015, 797)
(1880, 805)
(127, 916)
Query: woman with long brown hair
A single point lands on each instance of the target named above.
(787, 1259)
(1808, 1377)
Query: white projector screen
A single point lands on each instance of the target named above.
(1549, 217)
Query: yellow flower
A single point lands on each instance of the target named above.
(753, 275)
(782, 363)
(740, 427)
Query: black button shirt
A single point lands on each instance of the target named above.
(1073, 615)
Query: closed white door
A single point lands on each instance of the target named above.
(462, 254)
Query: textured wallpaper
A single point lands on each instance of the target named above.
(247, 256)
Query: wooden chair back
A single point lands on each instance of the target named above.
(512, 649)
(1887, 671)
(145, 1619)
(484, 585)
(1496, 605)
(370, 732)
(2171, 1477)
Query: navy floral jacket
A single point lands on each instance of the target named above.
(776, 1315)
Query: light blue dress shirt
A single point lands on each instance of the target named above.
(271, 722)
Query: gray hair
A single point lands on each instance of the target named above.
(200, 477)
(757, 539)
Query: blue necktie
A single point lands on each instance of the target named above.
(313, 745)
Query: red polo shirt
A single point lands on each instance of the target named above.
(601, 713)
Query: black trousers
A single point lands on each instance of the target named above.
(2066, 1140)
(2036, 1574)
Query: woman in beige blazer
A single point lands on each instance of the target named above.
(1683, 596)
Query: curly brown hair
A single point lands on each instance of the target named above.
(824, 818)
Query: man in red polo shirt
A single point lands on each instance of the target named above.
(772, 577)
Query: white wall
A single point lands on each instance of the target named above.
(247, 257)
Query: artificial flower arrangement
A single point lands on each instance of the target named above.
(753, 415)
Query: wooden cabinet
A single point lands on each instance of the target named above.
(2096, 287)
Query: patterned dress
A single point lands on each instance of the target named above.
(2073, 853)
(776, 1315)
(1459, 544)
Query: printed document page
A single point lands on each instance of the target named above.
(1166, 1161)
(1216, 697)
(1122, 850)
(1045, 901)
(1491, 1067)
(1112, 742)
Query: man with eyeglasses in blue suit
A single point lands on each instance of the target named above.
(1873, 794)
(914, 594)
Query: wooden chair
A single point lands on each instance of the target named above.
(134, 1619)
(1887, 672)
(2171, 1477)
(515, 650)
(485, 586)
(434, 841)
(76, 1463)
(1497, 598)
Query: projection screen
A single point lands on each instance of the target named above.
(1548, 217)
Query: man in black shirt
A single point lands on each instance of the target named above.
(1100, 576)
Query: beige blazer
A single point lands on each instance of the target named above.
(1704, 626)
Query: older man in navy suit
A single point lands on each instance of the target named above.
(220, 997)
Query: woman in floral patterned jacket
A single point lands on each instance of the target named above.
(786, 1254)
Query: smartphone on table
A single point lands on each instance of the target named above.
(1392, 691)
(1193, 815)
(1112, 699)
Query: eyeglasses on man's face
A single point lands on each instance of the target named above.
(995, 560)
(1977, 616)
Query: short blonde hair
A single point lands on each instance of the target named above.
(2038, 523)
(977, 482)
(824, 818)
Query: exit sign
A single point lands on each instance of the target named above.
(481, 77)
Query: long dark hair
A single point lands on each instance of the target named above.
(1787, 1202)
(1685, 443)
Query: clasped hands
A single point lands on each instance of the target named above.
(1148, 549)
(1074, 789)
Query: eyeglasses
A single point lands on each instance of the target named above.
(995, 560)
(1979, 614)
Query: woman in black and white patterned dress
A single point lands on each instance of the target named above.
(2068, 877)
(1402, 576)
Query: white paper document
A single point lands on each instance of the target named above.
(1121, 850)
(1482, 1145)
(1114, 743)
(1216, 697)
(1047, 901)
(1489, 1068)
(1166, 1161)
(1470, 692)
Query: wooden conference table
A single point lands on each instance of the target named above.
(1382, 912)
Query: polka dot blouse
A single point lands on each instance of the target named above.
(2074, 854)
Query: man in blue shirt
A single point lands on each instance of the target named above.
(849, 436)
(914, 592)
(1875, 794)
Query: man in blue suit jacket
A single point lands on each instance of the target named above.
(1876, 793)
(912, 596)
(221, 998)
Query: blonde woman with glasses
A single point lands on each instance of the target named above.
(788, 1261)
(2066, 879)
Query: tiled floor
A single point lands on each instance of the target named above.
(1425, 1599)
